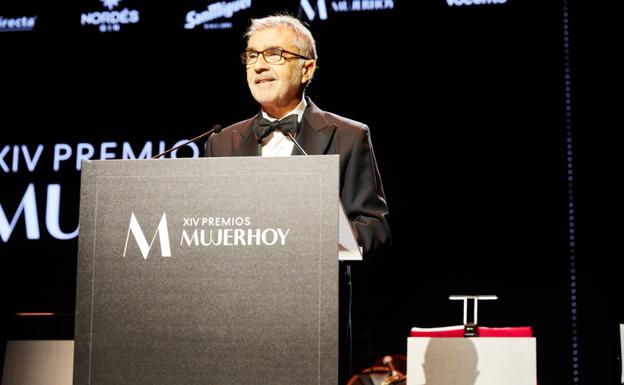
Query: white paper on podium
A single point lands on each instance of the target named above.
(622, 350)
(348, 248)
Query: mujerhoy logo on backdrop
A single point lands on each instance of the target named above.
(216, 15)
(313, 9)
(44, 199)
(17, 24)
(112, 19)
(201, 231)
(452, 3)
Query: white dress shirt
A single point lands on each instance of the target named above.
(277, 144)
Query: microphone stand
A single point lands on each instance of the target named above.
(215, 129)
(292, 138)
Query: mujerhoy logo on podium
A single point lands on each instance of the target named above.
(204, 232)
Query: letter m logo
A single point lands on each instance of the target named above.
(310, 11)
(162, 231)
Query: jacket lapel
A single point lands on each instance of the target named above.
(316, 132)
(244, 143)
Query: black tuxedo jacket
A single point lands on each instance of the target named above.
(321, 132)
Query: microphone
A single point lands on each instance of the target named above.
(288, 133)
(214, 130)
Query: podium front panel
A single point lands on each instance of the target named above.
(208, 271)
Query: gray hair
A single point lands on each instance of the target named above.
(303, 41)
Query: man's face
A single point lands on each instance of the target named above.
(276, 85)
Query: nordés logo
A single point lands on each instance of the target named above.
(162, 230)
(111, 20)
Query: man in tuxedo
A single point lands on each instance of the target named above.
(280, 61)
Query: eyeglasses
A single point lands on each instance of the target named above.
(271, 55)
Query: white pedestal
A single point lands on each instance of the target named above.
(471, 361)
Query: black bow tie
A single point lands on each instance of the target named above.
(264, 127)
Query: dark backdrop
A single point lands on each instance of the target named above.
(494, 175)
